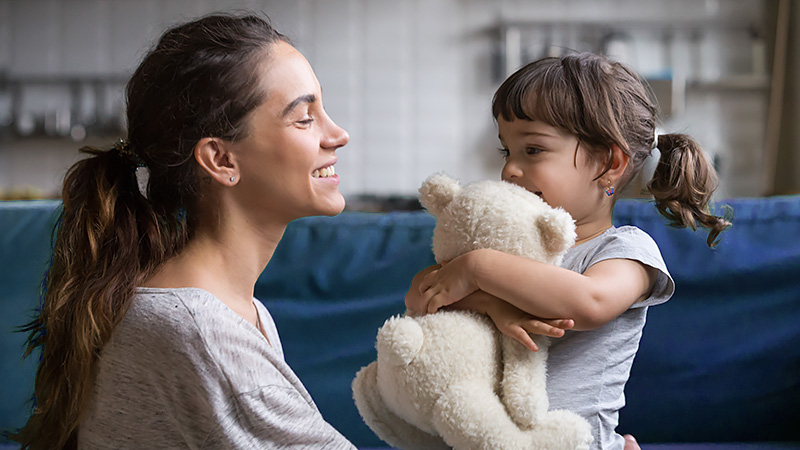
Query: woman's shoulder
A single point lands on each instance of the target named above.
(167, 311)
(191, 314)
(193, 327)
(159, 322)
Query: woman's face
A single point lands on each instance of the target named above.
(286, 161)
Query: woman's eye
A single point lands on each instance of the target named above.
(503, 152)
(532, 150)
(305, 120)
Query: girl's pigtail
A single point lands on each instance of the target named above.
(107, 240)
(682, 185)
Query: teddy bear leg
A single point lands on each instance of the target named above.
(525, 381)
(389, 427)
(470, 416)
(562, 430)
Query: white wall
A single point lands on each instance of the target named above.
(411, 80)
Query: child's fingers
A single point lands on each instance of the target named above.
(536, 326)
(523, 337)
(564, 324)
(427, 281)
(436, 301)
(412, 307)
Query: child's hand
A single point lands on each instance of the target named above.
(448, 284)
(512, 321)
(416, 304)
(517, 324)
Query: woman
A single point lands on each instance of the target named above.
(149, 332)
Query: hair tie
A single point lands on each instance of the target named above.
(122, 148)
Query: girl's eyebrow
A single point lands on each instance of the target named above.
(538, 133)
(531, 133)
(308, 98)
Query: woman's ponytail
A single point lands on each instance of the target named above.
(107, 240)
(682, 185)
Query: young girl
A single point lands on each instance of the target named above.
(576, 130)
(149, 333)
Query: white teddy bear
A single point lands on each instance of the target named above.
(451, 379)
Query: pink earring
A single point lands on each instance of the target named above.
(610, 191)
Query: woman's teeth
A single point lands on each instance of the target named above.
(324, 172)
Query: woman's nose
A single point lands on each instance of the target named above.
(335, 136)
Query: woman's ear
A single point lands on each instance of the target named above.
(215, 158)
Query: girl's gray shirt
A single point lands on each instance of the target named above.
(587, 370)
(183, 370)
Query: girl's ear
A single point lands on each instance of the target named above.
(619, 162)
(215, 158)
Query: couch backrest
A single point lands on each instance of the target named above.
(25, 229)
(721, 360)
(718, 362)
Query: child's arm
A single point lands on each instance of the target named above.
(591, 299)
(508, 319)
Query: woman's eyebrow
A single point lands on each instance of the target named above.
(308, 98)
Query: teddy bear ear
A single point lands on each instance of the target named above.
(558, 232)
(437, 192)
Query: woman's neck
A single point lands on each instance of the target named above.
(225, 260)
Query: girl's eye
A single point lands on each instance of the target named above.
(503, 152)
(532, 150)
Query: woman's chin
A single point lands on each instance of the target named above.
(333, 207)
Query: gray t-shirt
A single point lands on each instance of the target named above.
(182, 370)
(587, 370)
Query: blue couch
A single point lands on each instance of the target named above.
(718, 367)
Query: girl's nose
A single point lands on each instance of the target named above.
(510, 171)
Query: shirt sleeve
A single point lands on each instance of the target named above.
(634, 244)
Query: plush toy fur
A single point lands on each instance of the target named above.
(451, 379)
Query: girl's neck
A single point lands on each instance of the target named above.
(589, 230)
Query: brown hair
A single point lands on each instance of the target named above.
(201, 79)
(604, 103)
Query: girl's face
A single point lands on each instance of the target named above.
(287, 159)
(549, 162)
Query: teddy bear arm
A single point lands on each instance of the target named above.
(388, 426)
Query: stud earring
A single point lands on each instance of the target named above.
(233, 179)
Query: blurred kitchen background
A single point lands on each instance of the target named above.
(412, 80)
